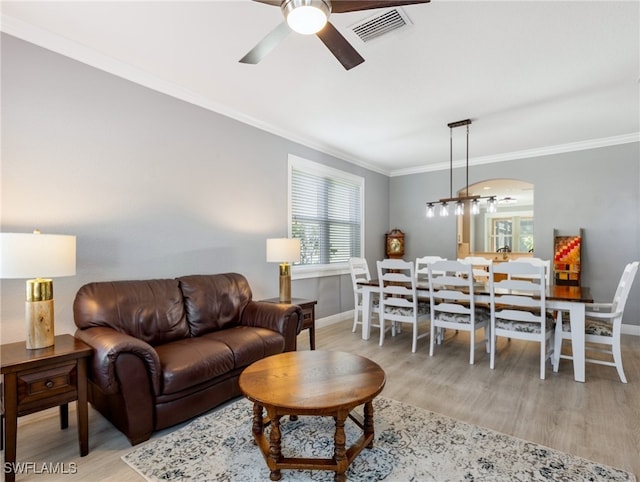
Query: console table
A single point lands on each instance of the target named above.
(35, 380)
(308, 315)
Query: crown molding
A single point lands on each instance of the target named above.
(93, 58)
(525, 154)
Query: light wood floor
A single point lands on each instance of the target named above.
(598, 420)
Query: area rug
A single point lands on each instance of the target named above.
(411, 444)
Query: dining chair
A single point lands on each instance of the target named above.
(399, 299)
(536, 262)
(518, 308)
(422, 265)
(359, 270)
(453, 305)
(603, 326)
(480, 266)
(422, 272)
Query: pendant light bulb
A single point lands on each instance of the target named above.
(430, 210)
(444, 210)
(491, 205)
(475, 207)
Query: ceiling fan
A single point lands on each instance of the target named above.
(311, 16)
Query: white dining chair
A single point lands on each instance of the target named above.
(453, 305)
(422, 268)
(603, 326)
(359, 270)
(399, 299)
(536, 262)
(518, 308)
(480, 267)
(422, 273)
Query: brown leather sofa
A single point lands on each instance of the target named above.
(166, 350)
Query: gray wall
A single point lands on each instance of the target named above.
(150, 185)
(156, 187)
(597, 190)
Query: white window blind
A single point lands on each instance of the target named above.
(326, 213)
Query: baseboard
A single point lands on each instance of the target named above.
(332, 319)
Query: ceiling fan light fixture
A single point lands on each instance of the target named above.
(306, 16)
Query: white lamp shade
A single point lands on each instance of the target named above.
(280, 250)
(26, 255)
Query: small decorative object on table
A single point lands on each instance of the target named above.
(284, 251)
(394, 246)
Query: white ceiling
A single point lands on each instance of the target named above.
(535, 77)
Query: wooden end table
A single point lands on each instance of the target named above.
(35, 380)
(321, 383)
(308, 315)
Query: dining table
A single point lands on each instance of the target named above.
(569, 299)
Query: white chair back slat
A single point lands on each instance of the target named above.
(422, 267)
(624, 286)
(536, 262)
(480, 266)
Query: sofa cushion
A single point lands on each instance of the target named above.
(214, 302)
(249, 344)
(150, 310)
(191, 361)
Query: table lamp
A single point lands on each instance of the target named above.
(284, 251)
(26, 255)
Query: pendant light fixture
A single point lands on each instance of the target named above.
(459, 201)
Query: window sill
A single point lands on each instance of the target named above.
(305, 272)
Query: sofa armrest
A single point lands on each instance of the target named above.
(108, 344)
(283, 318)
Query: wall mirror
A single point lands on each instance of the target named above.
(508, 230)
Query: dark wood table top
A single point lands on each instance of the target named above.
(16, 356)
(312, 382)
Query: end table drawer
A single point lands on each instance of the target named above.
(44, 383)
(307, 317)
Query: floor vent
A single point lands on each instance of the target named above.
(381, 24)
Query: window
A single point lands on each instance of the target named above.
(504, 230)
(325, 214)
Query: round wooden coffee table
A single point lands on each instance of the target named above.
(321, 383)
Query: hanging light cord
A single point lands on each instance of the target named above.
(467, 160)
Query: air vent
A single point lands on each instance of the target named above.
(381, 24)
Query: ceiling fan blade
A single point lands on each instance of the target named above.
(340, 6)
(275, 3)
(339, 46)
(267, 44)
